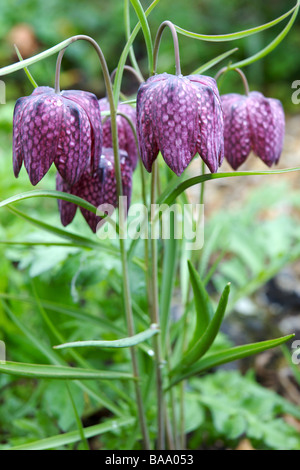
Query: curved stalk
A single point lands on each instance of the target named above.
(176, 46)
(126, 286)
(241, 74)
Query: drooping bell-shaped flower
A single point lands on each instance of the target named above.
(252, 122)
(125, 134)
(97, 188)
(64, 128)
(180, 116)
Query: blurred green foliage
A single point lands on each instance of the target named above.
(55, 20)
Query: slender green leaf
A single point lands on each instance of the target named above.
(55, 359)
(266, 50)
(145, 28)
(202, 304)
(78, 239)
(214, 61)
(168, 277)
(119, 343)
(32, 60)
(42, 371)
(51, 194)
(228, 355)
(29, 76)
(74, 436)
(122, 60)
(170, 194)
(78, 420)
(200, 347)
(128, 32)
(239, 34)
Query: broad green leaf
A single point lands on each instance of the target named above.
(239, 34)
(170, 194)
(74, 436)
(214, 61)
(41, 371)
(202, 304)
(266, 50)
(200, 347)
(119, 343)
(228, 355)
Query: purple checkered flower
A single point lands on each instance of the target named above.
(97, 188)
(180, 116)
(255, 123)
(64, 128)
(125, 134)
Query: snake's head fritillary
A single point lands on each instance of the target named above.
(125, 133)
(97, 188)
(180, 116)
(252, 122)
(64, 128)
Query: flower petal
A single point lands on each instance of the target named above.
(126, 136)
(210, 141)
(74, 146)
(17, 135)
(41, 124)
(267, 127)
(89, 103)
(237, 138)
(67, 209)
(175, 120)
(145, 128)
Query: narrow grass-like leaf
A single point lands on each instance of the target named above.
(168, 277)
(128, 32)
(228, 355)
(74, 436)
(202, 303)
(78, 239)
(145, 28)
(32, 60)
(208, 65)
(170, 194)
(42, 371)
(239, 34)
(266, 50)
(78, 201)
(55, 359)
(122, 60)
(119, 343)
(28, 74)
(200, 347)
(78, 420)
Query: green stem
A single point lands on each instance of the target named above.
(176, 46)
(241, 74)
(126, 285)
(156, 319)
(128, 32)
